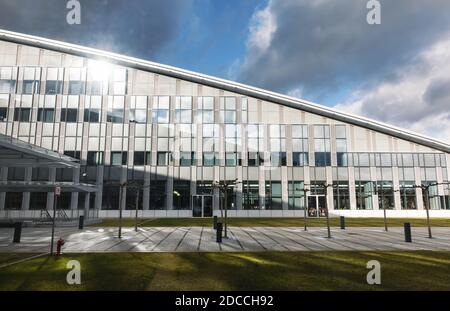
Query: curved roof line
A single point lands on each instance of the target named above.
(231, 86)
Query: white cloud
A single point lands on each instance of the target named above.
(418, 98)
(263, 25)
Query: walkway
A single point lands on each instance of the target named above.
(202, 239)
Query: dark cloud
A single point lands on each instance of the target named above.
(322, 45)
(139, 28)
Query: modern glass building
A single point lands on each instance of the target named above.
(173, 134)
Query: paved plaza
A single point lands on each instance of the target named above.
(202, 239)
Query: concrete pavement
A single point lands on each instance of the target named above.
(202, 239)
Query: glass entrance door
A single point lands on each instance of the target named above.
(202, 205)
(316, 206)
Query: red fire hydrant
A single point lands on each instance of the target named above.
(59, 244)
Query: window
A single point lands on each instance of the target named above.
(255, 144)
(73, 154)
(385, 191)
(205, 110)
(3, 114)
(46, 115)
(142, 158)
(253, 159)
(228, 109)
(341, 195)
(296, 195)
(364, 191)
(231, 159)
(187, 159)
(244, 110)
(138, 111)
(273, 195)
(22, 114)
(210, 137)
(118, 158)
(250, 195)
(92, 109)
(30, 87)
(163, 158)
(94, 158)
(322, 145)
(408, 195)
(76, 87)
(7, 86)
(115, 113)
(158, 195)
(300, 145)
(95, 87)
(161, 109)
(91, 115)
(341, 145)
(210, 159)
(181, 194)
(69, 115)
(53, 87)
(183, 109)
(120, 81)
(300, 159)
(278, 159)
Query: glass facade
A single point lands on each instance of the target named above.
(176, 137)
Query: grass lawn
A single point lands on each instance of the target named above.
(233, 271)
(274, 222)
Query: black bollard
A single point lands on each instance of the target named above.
(17, 232)
(342, 220)
(407, 227)
(215, 222)
(81, 222)
(219, 232)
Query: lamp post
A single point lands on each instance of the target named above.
(137, 204)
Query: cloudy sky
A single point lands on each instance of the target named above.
(320, 50)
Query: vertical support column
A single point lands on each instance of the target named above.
(51, 195)
(87, 197)
(352, 187)
(74, 196)
(373, 178)
(239, 188)
(284, 188)
(329, 175)
(3, 177)
(262, 187)
(26, 195)
(146, 191)
(99, 192)
(396, 187)
(419, 192)
(169, 201)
